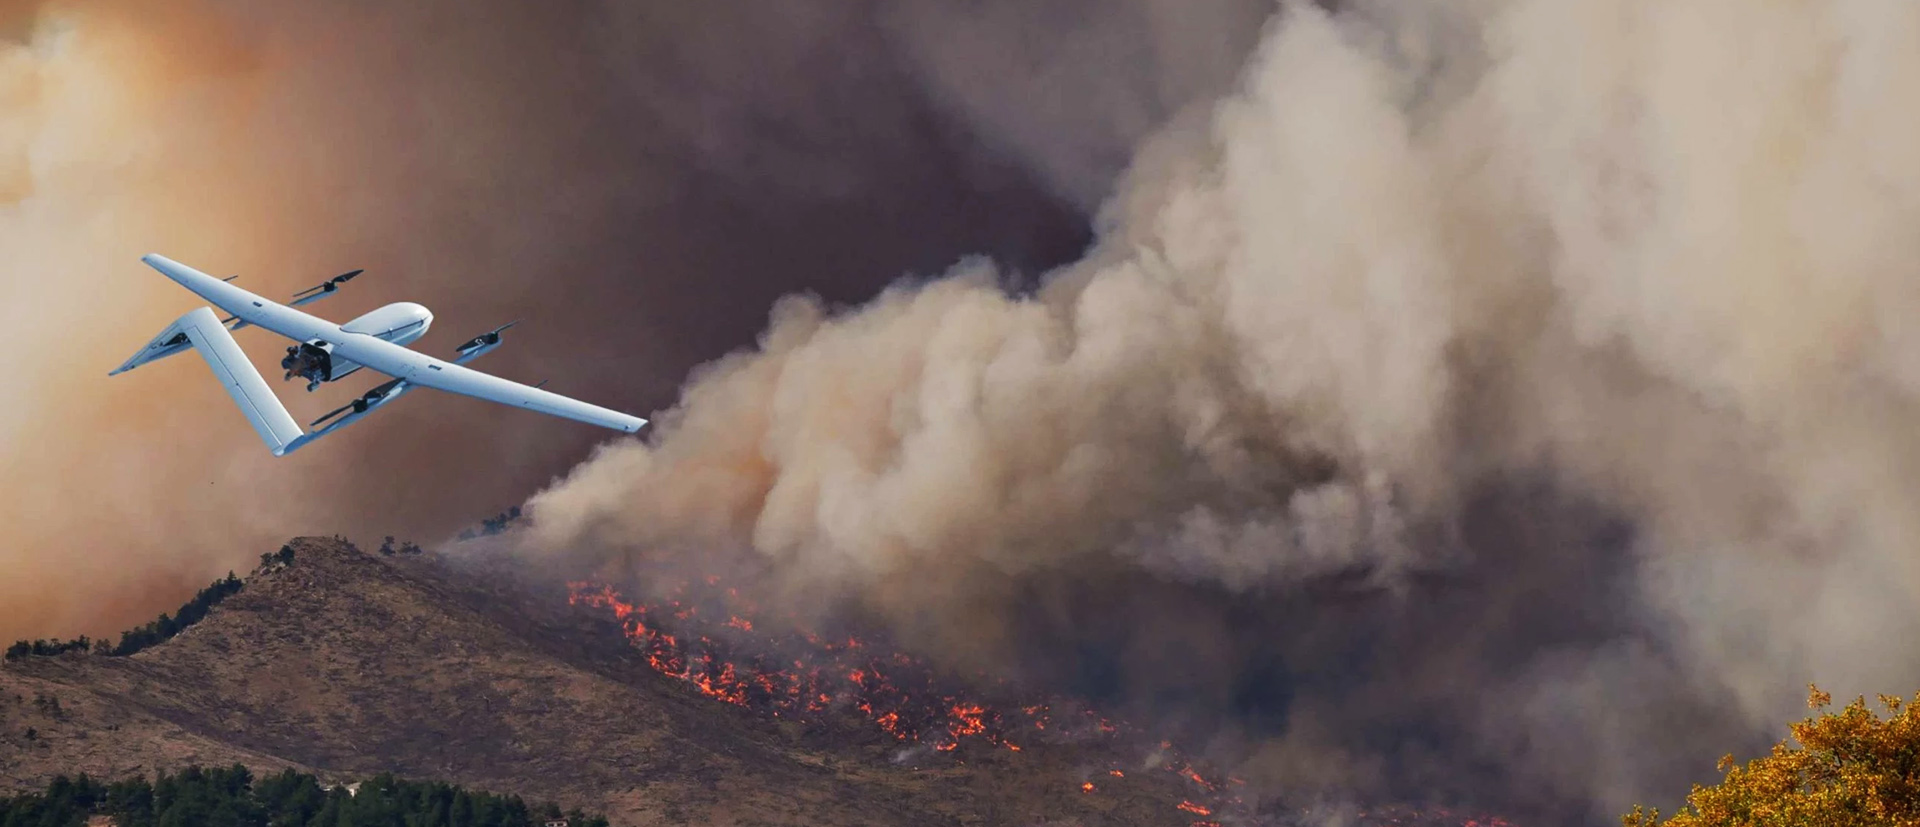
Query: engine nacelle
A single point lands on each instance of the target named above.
(468, 352)
(479, 346)
(367, 403)
(399, 323)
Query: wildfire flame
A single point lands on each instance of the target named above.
(906, 698)
(703, 640)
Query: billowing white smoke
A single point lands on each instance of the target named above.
(1669, 253)
(476, 157)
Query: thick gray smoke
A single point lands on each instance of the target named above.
(1574, 340)
(638, 181)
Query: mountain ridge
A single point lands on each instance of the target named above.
(344, 664)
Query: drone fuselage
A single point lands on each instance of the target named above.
(400, 323)
(324, 351)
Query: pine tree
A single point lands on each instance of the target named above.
(232, 797)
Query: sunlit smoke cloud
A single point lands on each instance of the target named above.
(91, 120)
(590, 169)
(1439, 289)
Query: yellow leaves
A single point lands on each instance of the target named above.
(1850, 769)
(1817, 699)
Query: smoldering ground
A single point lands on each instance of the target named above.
(1502, 399)
(638, 181)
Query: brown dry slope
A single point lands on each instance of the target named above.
(347, 664)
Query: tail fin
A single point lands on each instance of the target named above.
(202, 331)
(170, 341)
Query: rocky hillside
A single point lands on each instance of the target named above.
(346, 663)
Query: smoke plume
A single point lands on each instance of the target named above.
(1505, 398)
(637, 181)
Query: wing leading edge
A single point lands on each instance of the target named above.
(385, 357)
(420, 369)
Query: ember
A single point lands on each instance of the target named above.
(804, 674)
(903, 696)
(716, 644)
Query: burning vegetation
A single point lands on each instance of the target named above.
(722, 646)
(715, 641)
(709, 637)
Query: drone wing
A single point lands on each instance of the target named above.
(417, 368)
(201, 330)
(385, 357)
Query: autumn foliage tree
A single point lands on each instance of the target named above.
(1852, 768)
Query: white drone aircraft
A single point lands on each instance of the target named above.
(327, 351)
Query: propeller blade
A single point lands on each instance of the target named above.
(543, 383)
(331, 414)
(331, 283)
(374, 394)
(232, 277)
(487, 338)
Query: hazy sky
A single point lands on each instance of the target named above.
(638, 181)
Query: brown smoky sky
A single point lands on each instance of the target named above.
(637, 181)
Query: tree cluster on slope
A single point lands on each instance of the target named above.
(48, 648)
(232, 797)
(134, 640)
(494, 525)
(1851, 769)
(405, 547)
(164, 628)
(277, 559)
